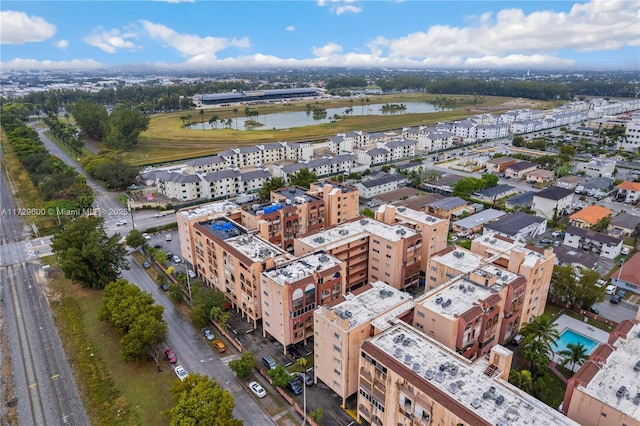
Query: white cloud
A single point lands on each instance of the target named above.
(290, 28)
(329, 49)
(192, 45)
(586, 27)
(20, 28)
(21, 63)
(61, 44)
(340, 7)
(110, 41)
(519, 61)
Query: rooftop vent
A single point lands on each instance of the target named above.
(637, 366)
(401, 231)
(493, 241)
(476, 403)
(439, 377)
(397, 352)
(443, 367)
(401, 209)
(621, 392)
(323, 258)
(438, 300)
(363, 221)
(636, 399)
(502, 422)
(499, 400)
(453, 370)
(447, 303)
(318, 240)
(407, 359)
(399, 338)
(416, 367)
(453, 387)
(343, 232)
(429, 374)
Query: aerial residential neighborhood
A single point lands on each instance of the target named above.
(321, 213)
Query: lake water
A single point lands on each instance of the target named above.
(288, 120)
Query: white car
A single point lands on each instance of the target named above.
(257, 389)
(177, 259)
(159, 215)
(146, 236)
(625, 250)
(167, 237)
(121, 222)
(181, 372)
(191, 273)
(611, 289)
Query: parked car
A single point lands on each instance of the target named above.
(611, 289)
(295, 386)
(157, 246)
(625, 251)
(257, 389)
(594, 310)
(146, 265)
(146, 236)
(308, 378)
(517, 339)
(622, 292)
(557, 233)
(616, 298)
(164, 287)
(208, 334)
(170, 356)
(177, 259)
(219, 345)
(600, 282)
(181, 372)
(191, 273)
(453, 239)
(269, 362)
(293, 352)
(167, 237)
(546, 240)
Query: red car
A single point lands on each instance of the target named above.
(170, 356)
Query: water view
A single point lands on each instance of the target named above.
(288, 120)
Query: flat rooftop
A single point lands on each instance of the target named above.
(461, 260)
(301, 268)
(417, 216)
(363, 307)
(296, 195)
(255, 248)
(464, 382)
(462, 294)
(208, 209)
(619, 371)
(499, 246)
(351, 231)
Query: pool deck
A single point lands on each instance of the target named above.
(566, 322)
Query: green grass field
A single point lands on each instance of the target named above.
(167, 140)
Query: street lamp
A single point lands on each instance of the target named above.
(129, 203)
(304, 396)
(186, 272)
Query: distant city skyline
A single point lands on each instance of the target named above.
(200, 35)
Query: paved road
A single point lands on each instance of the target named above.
(193, 353)
(617, 312)
(196, 355)
(43, 381)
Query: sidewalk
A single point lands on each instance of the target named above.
(552, 367)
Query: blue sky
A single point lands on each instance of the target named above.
(595, 35)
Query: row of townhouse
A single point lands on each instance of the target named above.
(631, 141)
(210, 185)
(331, 165)
(386, 152)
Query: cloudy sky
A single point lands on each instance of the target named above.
(209, 34)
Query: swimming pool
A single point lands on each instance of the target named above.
(570, 336)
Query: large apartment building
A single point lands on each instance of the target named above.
(605, 391)
(372, 251)
(291, 291)
(407, 378)
(434, 230)
(226, 256)
(342, 325)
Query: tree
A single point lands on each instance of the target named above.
(213, 121)
(123, 303)
(576, 291)
(576, 354)
(368, 213)
(220, 316)
(199, 316)
(124, 127)
(542, 330)
(244, 365)
(235, 114)
(86, 255)
(91, 117)
(522, 379)
(135, 238)
(602, 225)
(270, 185)
(175, 291)
(518, 141)
(304, 178)
(537, 353)
(279, 375)
(201, 401)
(144, 339)
(316, 415)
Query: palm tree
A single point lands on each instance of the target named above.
(576, 354)
(202, 117)
(213, 121)
(540, 329)
(235, 114)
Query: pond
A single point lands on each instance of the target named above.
(288, 120)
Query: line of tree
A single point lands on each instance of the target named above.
(66, 133)
(60, 185)
(468, 185)
(111, 168)
(118, 130)
(133, 313)
(353, 82)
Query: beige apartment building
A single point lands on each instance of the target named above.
(534, 264)
(342, 201)
(341, 326)
(291, 291)
(434, 230)
(372, 251)
(605, 391)
(466, 313)
(291, 213)
(186, 218)
(409, 379)
(230, 259)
